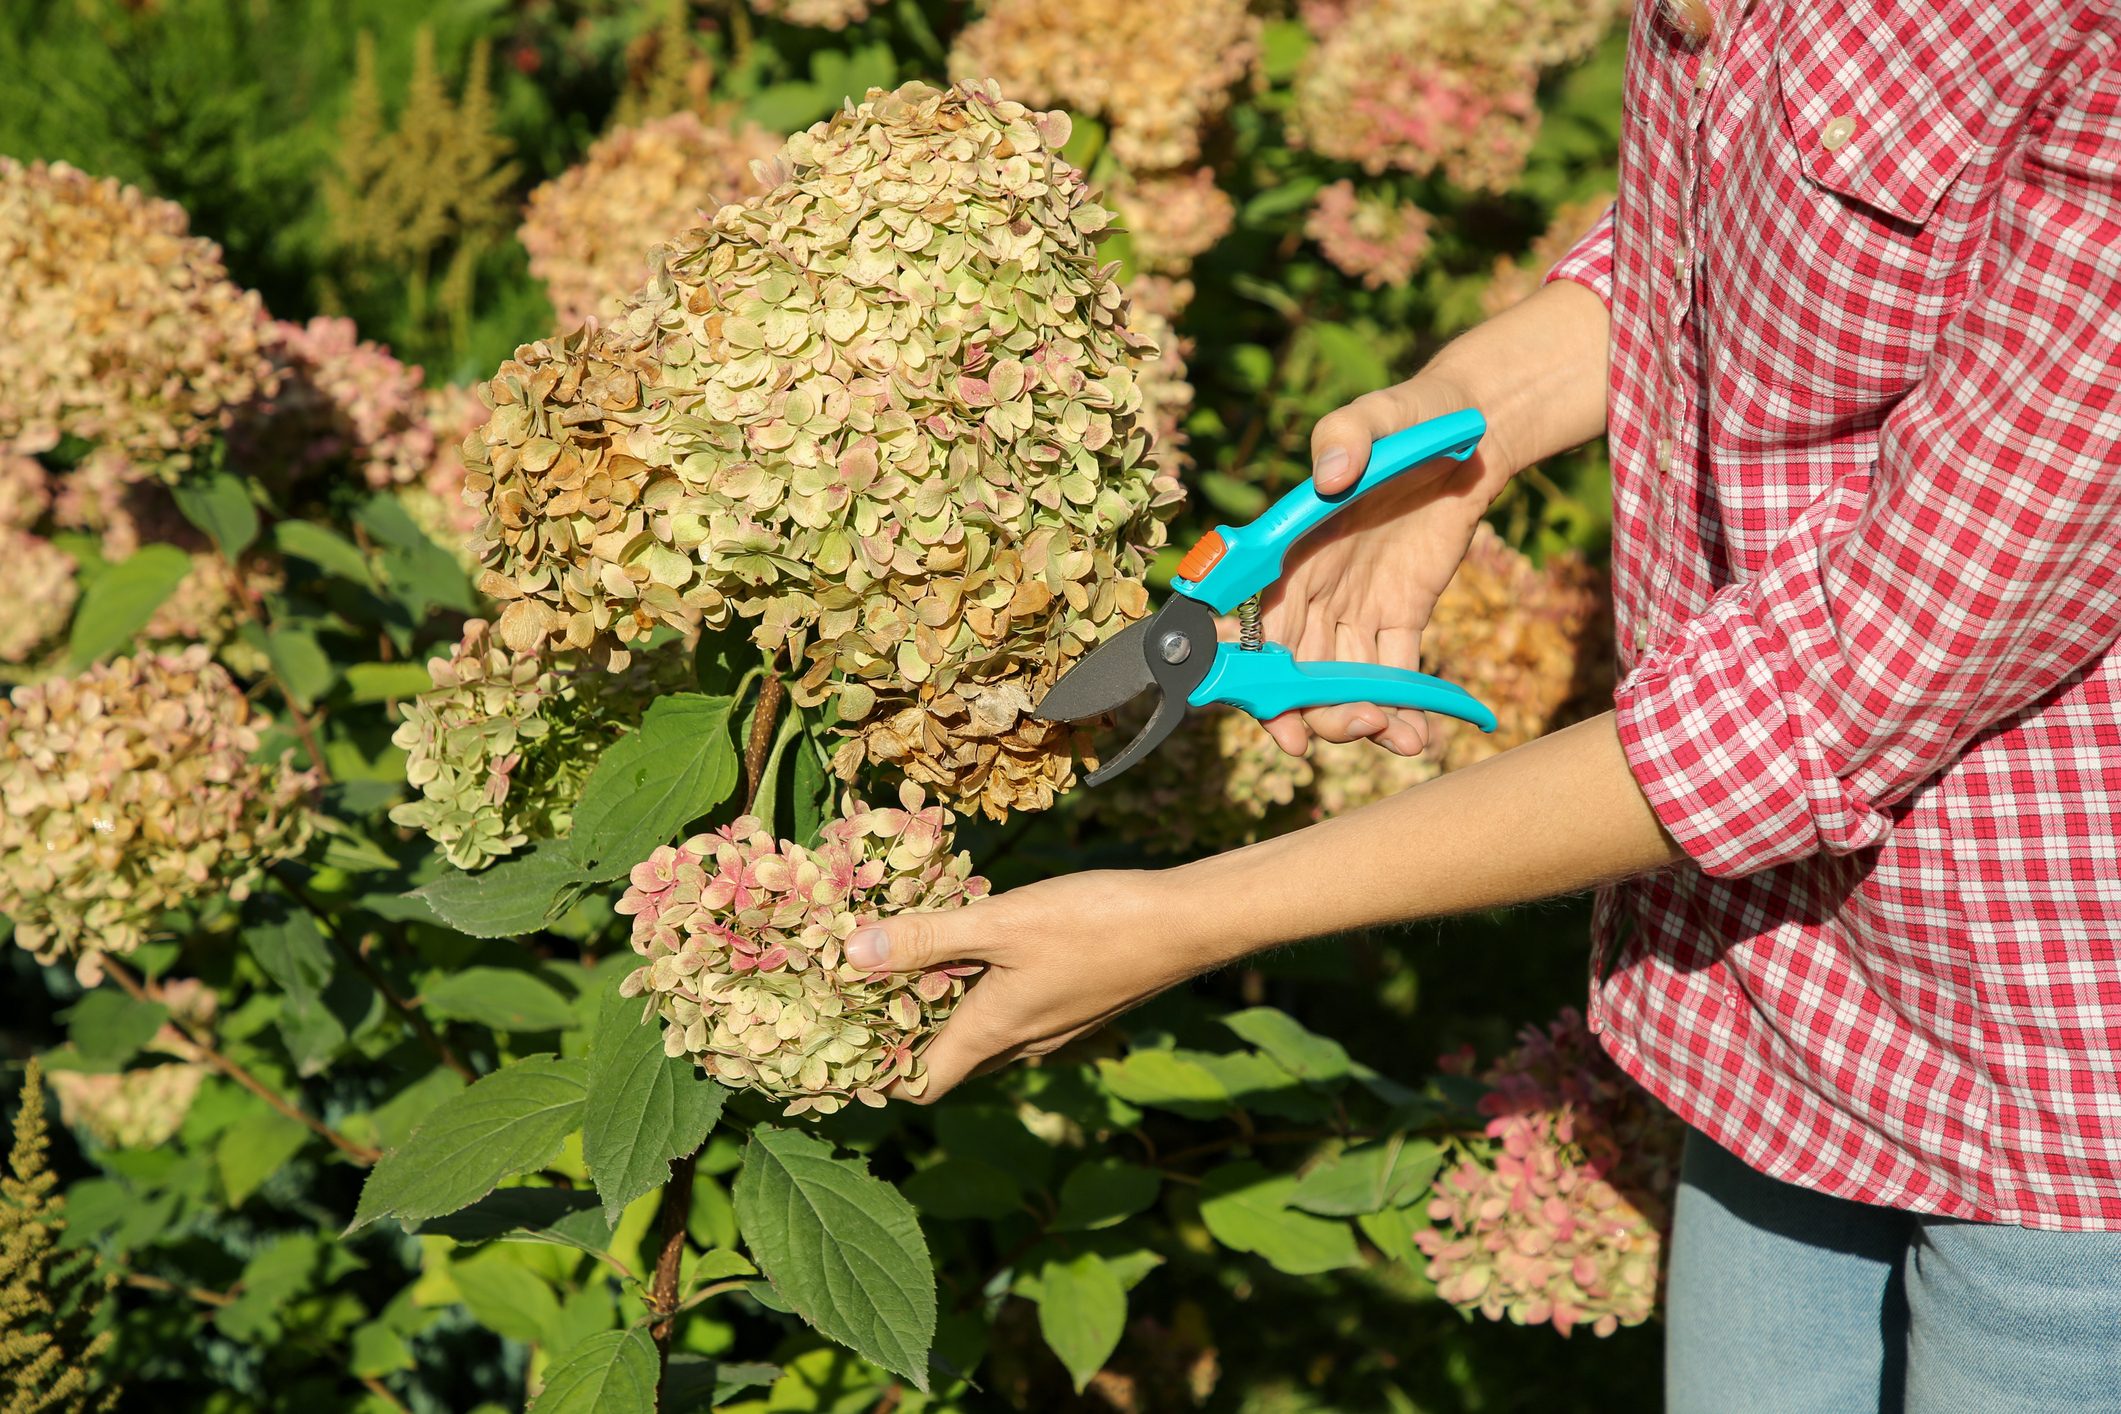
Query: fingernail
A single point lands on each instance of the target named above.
(1329, 464)
(869, 947)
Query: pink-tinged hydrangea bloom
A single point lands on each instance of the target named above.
(1516, 279)
(1561, 1216)
(1374, 239)
(436, 501)
(122, 328)
(1167, 394)
(25, 490)
(128, 790)
(590, 229)
(108, 495)
(37, 585)
(1158, 74)
(141, 1108)
(744, 938)
(342, 402)
(1173, 217)
(816, 14)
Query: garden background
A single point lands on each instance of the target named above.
(274, 977)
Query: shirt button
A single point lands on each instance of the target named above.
(1706, 74)
(1838, 130)
(1641, 636)
(1664, 456)
(1682, 262)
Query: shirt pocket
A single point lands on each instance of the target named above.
(1868, 241)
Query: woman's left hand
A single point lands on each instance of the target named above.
(1062, 957)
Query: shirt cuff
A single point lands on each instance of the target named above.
(1721, 740)
(1590, 261)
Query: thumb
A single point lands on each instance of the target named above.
(914, 942)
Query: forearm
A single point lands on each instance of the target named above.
(1551, 817)
(1537, 371)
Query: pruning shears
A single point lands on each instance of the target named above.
(1175, 652)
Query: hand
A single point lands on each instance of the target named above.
(1361, 588)
(1062, 956)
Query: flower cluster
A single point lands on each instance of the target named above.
(37, 582)
(817, 14)
(1371, 238)
(589, 229)
(1157, 74)
(131, 789)
(890, 409)
(744, 938)
(1173, 217)
(341, 401)
(1518, 278)
(499, 749)
(436, 500)
(1561, 1216)
(140, 1108)
(25, 490)
(123, 329)
(1167, 393)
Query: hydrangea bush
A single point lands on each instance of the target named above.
(463, 698)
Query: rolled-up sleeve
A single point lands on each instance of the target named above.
(1590, 261)
(1969, 575)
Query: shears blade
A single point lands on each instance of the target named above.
(1169, 653)
(1113, 674)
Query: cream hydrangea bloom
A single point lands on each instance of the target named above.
(128, 790)
(745, 937)
(816, 14)
(890, 410)
(37, 584)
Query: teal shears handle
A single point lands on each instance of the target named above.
(1231, 564)
(1267, 682)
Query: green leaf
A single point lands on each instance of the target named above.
(327, 550)
(1104, 1193)
(564, 1217)
(253, 1149)
(812, 791)
(1392, 1230)
(785, 107)
(420, 574)
(1303, 1053)
(514, 897)
(842, 1248)
(964, 1189)
(505, 1296)
(645, 1108)
(378, 1350)
(675, 767)
(1231, 496)
(1082, 1309)
(121, 600)
(1166, 1081)
(1283, 46)
(1368, 1177)
(382, 682)
(722, 657)
(1290, 196)
(299, 663)
(292, 951)
(1259, 1084)
(109, 1026)
(500, 997)
(696, 1385)
(610, 1373)
(1247, 1209)
(504, 1124)
(219, 504)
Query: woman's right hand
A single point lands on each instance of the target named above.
(1362, 587)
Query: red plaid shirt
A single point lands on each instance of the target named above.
(1865, 279)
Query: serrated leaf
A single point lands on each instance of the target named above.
(1165, 1081)
(645, 1108)
(505, 1296)
(1301, 1052)
(564, 1217)
(1392, 1231)
(1082, 1309)
(697, 1385)
(514, 897)
(675, 767)
(419, 573)
(253, 1149)
(219, 504)
(326, 549)
(121, 600)
(288, 945)
(506, 1123)
(499, 997)
(842, 1248)
(382, 682)
(1388, 1172)
(111, 1027)
(299, 663)
(1247, 1209)
(1104, 1193)
(611, 1373)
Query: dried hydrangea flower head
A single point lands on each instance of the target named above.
(1173, 218)
(1561, 1217)
(1167, 393)
(1367, 237)
(589, 229)
(1157, 74)
(123, 329)
(816, 14)
(1517, 278)
(131, 789)
(37, 585)
(501, 746)
(436, 500)
(890, 410)
(342, 401)
(25, 490)
(745, 937)
(145, 1106)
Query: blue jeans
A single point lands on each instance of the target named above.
(1785, 1301)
